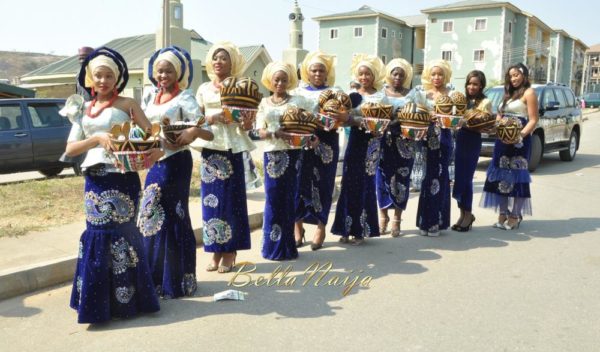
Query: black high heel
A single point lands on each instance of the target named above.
(300, 242)
(465, 228)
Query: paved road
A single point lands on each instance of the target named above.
(534, 289)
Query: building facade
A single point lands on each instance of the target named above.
(591, 72)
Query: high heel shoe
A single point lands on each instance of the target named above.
(500, 223)
(515, 225)
(224, 268)
(317, 245)
(396, 232)
(300, 242)
(383, 224)
(460, 228)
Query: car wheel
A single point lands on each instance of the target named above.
(53, 171)
(536, 152)
(569, 154)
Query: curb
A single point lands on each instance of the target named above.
(29, 278)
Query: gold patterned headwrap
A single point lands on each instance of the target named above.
(404, 66)
(237, 60)
(319, 57)
(371, 62)
(171, 58)
(277, 66)
(100, 60)
(426, 75)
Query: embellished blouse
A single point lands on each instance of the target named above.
(182, 107)
(226, 136)
(85, 127)
(418, 95)
(311, 96)
(269, 116)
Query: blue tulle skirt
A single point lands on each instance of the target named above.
(112, 278)
(508, 177)
(468, 147)
(281, 184)
(164, 220)
(317, 179)
(356, 210)
(394, 170)
(224, 210)
(433, 213)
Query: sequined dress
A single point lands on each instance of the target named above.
(395, 164)
(318, 168)
(112, 278)
(164, 217)
(281, 166)
(356, 209)
(225, 226)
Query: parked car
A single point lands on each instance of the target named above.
(33, 136)
(592, 100)
(559, 126)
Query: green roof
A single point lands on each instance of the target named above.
(364, 11)
(470, 5)
(134, 50)
(10, 91)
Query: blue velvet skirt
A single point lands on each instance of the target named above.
(393, 172)
(281, 184)
(356, 210)
(112, 278)
(433, 213)
(224, 210)
(468, 147)
(164, 221)
(508, 175)
(317, 179)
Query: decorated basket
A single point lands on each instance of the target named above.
(479, 120)
(240, 93)
(443, 105)
(332, 102)
(128, 137)
(414, 116)
(374, 124)
(413, 133)
(509, 130)
(300, 140)
(132, 161)
(234, 113)
(297, 120)
(376, 110)
(459, 100)
(172, 132)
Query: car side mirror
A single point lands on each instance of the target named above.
(552, 105)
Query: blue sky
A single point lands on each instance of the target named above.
(61, 26)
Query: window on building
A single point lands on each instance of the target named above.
(393, 34)
(399, 35)
(384, 59)
(447, 55)
(383, 32)
(447, 26)
(333, 33)
(480, 24)
(478, 55)
(358, 32)
(509, 27)
(300, 39)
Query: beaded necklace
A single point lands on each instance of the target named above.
(103, 106)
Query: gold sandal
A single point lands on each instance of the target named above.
(396, 232)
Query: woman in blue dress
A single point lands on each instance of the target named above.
(356, 210)
(468, 147)
(506, 186)
(433, 213)
(280, 163)
(397, 153)
(112, 279)
(224, 210)
(164, 218)
(318, 166)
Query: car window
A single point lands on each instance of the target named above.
(548, 97)
(570, 97)
(46, 115)
(560, 97)
(10, 117)
(495, 96)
